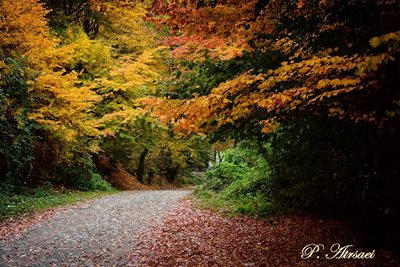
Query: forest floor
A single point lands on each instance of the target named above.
(162, 228)
(191, 236)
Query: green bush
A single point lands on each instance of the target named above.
(98, 184)
(17, 132)
(44, 191)
(224, 174)
(189, 179)
(233, 168)
(83, 176)
(93, 183)
(239, 184)
(254, 204)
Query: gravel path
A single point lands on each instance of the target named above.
(99, 233)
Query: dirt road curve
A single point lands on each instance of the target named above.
(99, 233)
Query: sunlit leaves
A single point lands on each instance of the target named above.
(127, 31)
(321, 83)
(24, 30)
(90, 57)
(386, 38)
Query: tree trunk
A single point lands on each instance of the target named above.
(140, 170)
(172, 173)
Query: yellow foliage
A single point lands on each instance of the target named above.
(129, 74)
(293, 86)
(128, 32)
(112, 122)
(390, 37)
(91, 55)
(24, 31)
(62, 107)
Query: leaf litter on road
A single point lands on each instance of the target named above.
(189, 236)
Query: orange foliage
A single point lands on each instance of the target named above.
(317, 88)
(219, 29)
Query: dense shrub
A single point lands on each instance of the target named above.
(83, 177)
(332, 166)
(239, 183)
(16, 131)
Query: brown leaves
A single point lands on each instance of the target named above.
(194, 237)
(13, 228)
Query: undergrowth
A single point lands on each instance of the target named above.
(238, 185)
(42, 198)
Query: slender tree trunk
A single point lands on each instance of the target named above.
(140, 170)
(172, 174)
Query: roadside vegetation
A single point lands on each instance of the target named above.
(237, 184)
(43, 198)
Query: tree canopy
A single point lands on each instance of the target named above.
(71, 74)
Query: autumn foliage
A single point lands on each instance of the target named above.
(310, 86)
(71, 72)
(338, 77)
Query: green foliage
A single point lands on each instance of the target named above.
(44, 190)
(131, 139)
(225, 174)
(83, 177)
(17, 133)
(190, 179)
(90, 58)
(189, 78)
(167, 154)
(312, 163)
(82, 13)
(239, 184)
(234, 167)
(96, 183)
(210, 199)
(254, 205)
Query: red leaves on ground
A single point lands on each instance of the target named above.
(14, 227)
(194, 237)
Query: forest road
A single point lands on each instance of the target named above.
(99, 233)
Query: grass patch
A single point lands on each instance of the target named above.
(42, 199)
(212, 200)
(253, 205)
(190, 179)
